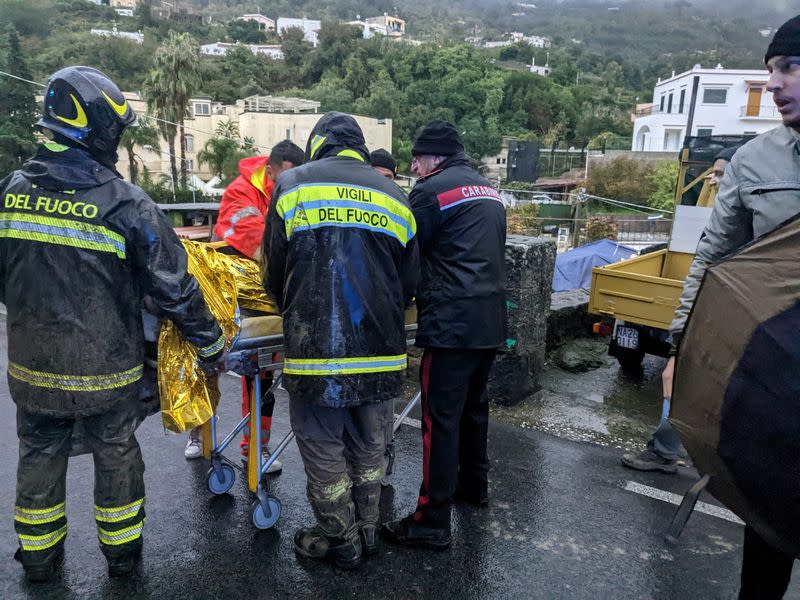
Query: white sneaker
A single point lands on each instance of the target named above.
(194, 445)
(275, 468)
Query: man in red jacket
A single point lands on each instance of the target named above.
(246, 200)
(240, 224)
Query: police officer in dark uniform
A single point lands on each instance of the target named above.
(79, 249)
(461, 225)
(341, 258)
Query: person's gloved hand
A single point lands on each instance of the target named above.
(213, 365)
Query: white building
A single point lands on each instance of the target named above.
(264, 23)
(266, 119)
(395, 27)
(133, 36)
(310, 27)
(222, 48)
(538, 41)
(544, 71)
(503, 44)
(729, 102)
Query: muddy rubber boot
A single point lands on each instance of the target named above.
(344, 552)
(366, 498)
(335, 537)
(44, 568)
(124, 563)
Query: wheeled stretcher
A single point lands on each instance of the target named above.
(259, 342)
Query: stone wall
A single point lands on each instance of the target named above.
(569, 318)
(529, 280)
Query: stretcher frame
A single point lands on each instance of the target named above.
(265, 510)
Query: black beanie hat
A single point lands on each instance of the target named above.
(382, 158)
(438, 138)
(726, 153)
(786, 41)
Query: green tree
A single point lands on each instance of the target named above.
(223, 151)
(174, 80)
(331, 94)
(159, 104)
(17, 102)
(295, 48)
(664, 179)
(246, 32)
(383, 100)
(144, 14)
(622, 179)
(249, 145)
(146, 133)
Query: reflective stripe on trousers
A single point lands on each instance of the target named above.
(118, 525)
(344, 366)
(40, 528)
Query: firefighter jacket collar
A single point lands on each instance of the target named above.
(337, 134)
(58, 167)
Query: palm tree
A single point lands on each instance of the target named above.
(159, 105)
(173, 82)
(221, 154)
(144, 134)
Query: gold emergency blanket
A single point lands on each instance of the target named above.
(248, 283)
(188, 397)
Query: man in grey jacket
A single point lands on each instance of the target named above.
(760, 191)
(664, 444)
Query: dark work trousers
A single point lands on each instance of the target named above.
(766, 571)
(267, 408)
(44, 448)
(342, 449)
(455, 421)
(665, 441)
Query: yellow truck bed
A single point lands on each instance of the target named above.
(644, 290)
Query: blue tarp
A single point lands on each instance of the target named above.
(574, 268)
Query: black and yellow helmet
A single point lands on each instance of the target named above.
(85, 106)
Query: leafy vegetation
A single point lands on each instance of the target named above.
(602, 62)
(16, 105)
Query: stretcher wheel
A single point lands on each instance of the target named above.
(221, 479)
(261, 520)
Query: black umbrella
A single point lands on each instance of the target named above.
(736, 401)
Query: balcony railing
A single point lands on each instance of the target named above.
(759, 112)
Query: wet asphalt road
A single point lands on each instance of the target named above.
(560, 526)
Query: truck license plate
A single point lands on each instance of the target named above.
(628, 337)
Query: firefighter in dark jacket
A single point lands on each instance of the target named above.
(461, 225)
(341, 262)
(79, 248)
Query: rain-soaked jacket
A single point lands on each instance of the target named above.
(244, 207)
(759, 191)
(79, 248)
(341, 262)
(462, 232)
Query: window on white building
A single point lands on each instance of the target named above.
(704, 131)
(189, 164)
(288, 134)
(669, 104)
(202, 109)
(661, 105)
(715, 96)
(189, 142)
(681, 102)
